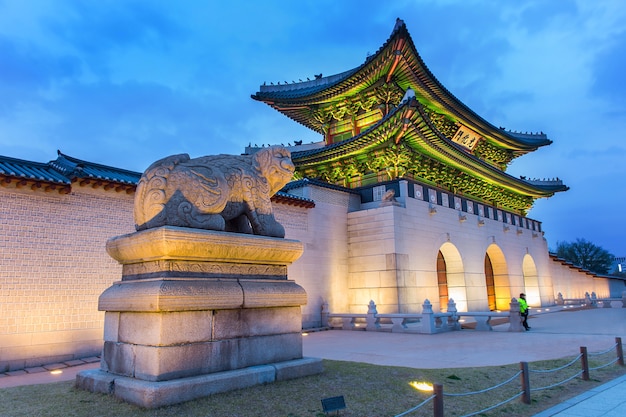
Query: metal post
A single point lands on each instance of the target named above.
(525, 380)
(620, 352)
(438, 403)
(584, 362)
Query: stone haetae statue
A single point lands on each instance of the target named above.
(217, 192)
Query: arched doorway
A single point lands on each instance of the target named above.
(531, 281)
(500, 287)
(450, 270)
(442, 280)
(490, 283)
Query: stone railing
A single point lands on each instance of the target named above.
(426, 322)
(592, 301)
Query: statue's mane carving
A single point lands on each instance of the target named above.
(217, 192)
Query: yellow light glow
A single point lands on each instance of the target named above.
(421, 386)
(305, 334)
(56, 372)
(461, 320)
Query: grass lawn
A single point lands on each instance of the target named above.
(369, 390)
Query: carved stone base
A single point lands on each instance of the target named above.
(193, 303)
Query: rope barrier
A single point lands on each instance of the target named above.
(495, 405)
(558, 383)
(525, 384)
(603, 352)
(486, 389)
(420, 405)
(605, 365)
(547, 371)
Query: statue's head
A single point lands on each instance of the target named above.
(275, 165)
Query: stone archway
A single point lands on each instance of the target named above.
(531, 281)
(500, 278)
(454, 275)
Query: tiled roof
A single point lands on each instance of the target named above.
(27, 170)
(297, 100)
(77, 168)
(292, 200)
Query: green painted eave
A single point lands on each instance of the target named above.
(423, 139)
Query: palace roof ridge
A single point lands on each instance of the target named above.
(302, 93)
(313, 181)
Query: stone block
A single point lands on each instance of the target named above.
(171, 295)
(256, 322)
(111, 326)
(118, 358)
(166, 328)
(265, 293)
(298, 368)
(96, 380)
(158, 394)
(189, 244)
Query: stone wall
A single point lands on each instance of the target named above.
(54, 268)
(55, 265)
(393, 252)
(573, 283)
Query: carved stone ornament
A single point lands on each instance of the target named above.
(218, 192)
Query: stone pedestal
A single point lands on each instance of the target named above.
(198, 312)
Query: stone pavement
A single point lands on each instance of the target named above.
(555, 333)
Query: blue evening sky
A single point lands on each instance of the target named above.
(124, 83)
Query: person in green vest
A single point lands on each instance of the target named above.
(523, 310)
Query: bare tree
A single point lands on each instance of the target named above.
(586, 255)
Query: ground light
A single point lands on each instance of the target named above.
(421, 386)
(56, 372)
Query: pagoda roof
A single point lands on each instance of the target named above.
(397, 61)
(409, 125)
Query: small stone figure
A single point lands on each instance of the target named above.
(216, 192)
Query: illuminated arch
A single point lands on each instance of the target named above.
(500, 278)
(531, 281)
(454, 275)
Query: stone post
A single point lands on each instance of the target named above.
(373, 322)
(453, 320)
(515, 318)
(324, 315)
(559, 300)
(588, 302)
(428, 318)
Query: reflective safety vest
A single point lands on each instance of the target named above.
(523, 306)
